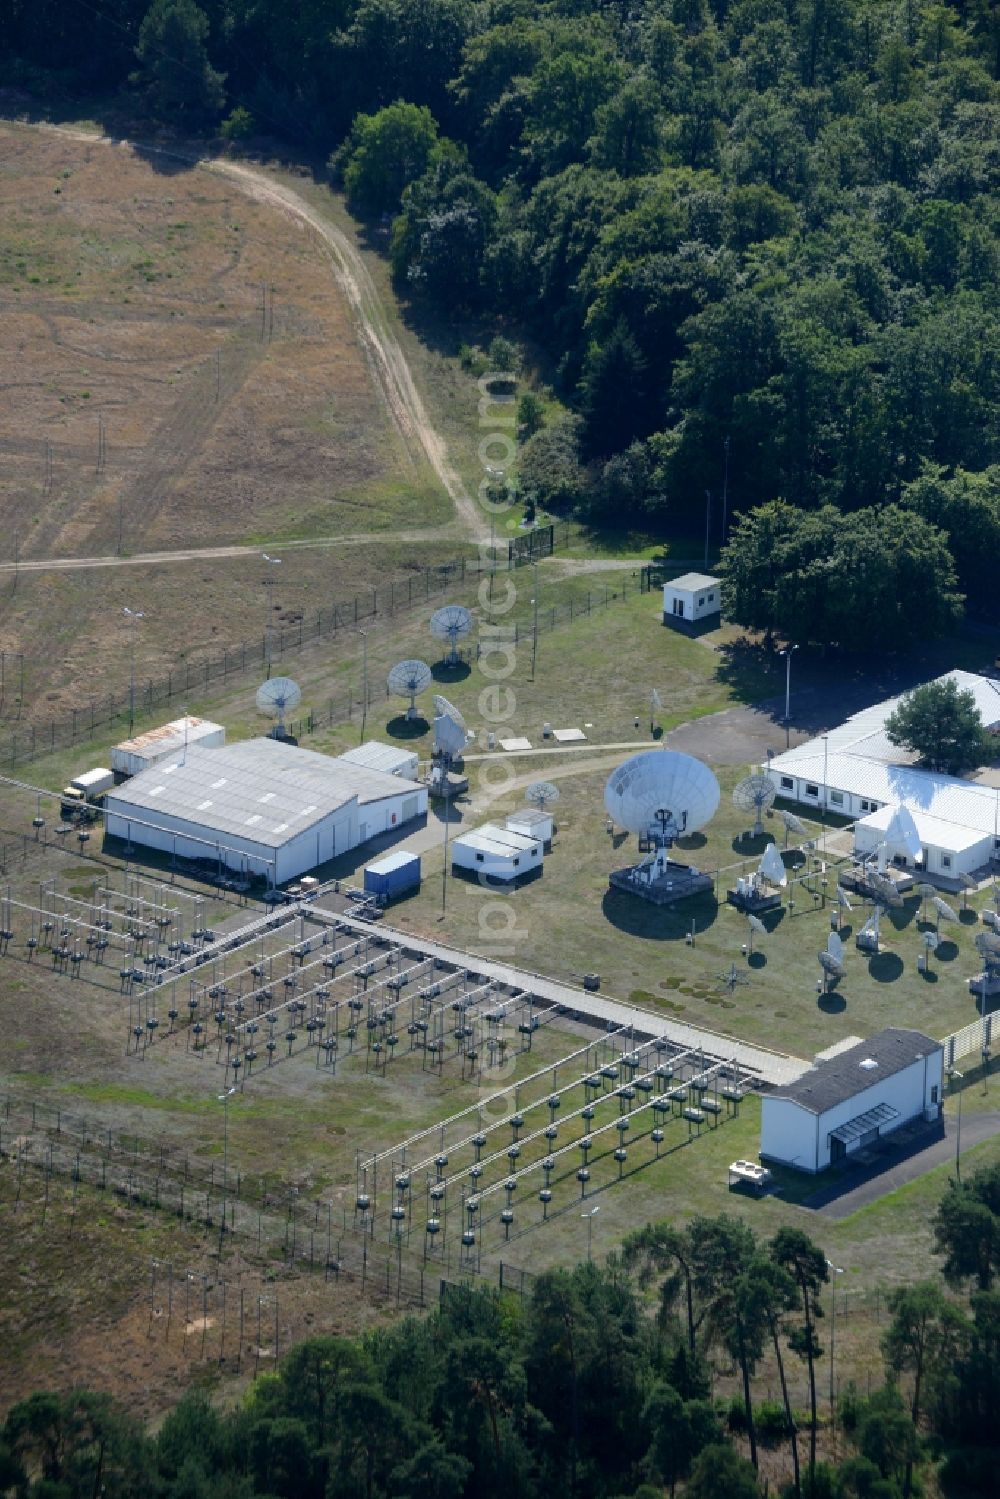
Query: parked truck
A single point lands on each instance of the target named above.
(85, 792)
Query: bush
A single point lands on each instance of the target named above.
(504, 355)
(771, 1421)
(238, 125)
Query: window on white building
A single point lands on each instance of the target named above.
(946, 861)
(837, 798)
(812, 790)
(787, 783)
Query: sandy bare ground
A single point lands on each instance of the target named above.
(386, 358)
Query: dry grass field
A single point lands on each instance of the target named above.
(180, 369)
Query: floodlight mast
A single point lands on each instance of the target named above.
(269, 582)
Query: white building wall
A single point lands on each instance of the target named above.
(497, 863)
(795, 1136)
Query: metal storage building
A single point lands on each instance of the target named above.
(849, 1101)
(393, 875)
(261, 807)
(135, 755)
(497, 852)
(392, 759)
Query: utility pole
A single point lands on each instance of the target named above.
(364, 681)
(224, 1100)
(534, 627)
(725, 491)
(787, 653)
(708, 521)
(134, 615)
(590, 1232)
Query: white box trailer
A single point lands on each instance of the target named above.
(500, 853)
(133, 756)
(90, 786)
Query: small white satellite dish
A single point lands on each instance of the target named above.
(444, 709)
(451, 623)
(792, 824)
(755, 794)
(661, 795)
(278, 696)
(945, 912)
(843, 899)
(541, 794)
(835, 947)
(409, 679)
(772, 867)
(901, 836)
(931, 941)
(756, 925)
(832, 959)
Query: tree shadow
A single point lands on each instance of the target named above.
(903, 916)
(885, 967)
(402, 727)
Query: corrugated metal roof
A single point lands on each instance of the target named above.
(495, 840)
(692, 582)
(933, 832)
(391, 862)
(378, 756)
(833, 1082)
(260, 789)
(169, 736)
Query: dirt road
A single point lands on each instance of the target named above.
(385, 357)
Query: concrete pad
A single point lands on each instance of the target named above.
(568, 736)
(515, 744)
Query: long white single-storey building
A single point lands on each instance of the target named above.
(692, 601)
(133, 756)
(856, 772)
(852, 1099)
(261, 807)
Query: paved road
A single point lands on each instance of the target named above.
(897, 1167)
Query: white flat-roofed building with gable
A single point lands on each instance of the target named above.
(260, 807)
(850, 1100)
(856, 772)
(692, 602)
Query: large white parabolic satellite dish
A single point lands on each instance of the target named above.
(661, 795)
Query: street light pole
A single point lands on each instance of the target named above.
(590, 1232)
(953, 1072)
(364, 681)
(787, 653)
(134, 615)
(534, 627)
(837, 1270)
(269, 581)
(708, 520)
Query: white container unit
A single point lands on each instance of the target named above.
(391, 759)
(499, 853)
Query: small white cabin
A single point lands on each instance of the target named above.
(499, 853)
(391, 759)
(692, 601)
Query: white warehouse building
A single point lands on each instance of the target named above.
(260, 807)
(850, 1100)
(856, 772)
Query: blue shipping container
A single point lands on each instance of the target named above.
(393, 875)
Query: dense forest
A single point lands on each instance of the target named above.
(600, 1384)
(752, 245)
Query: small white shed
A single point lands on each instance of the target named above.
(692, 601)
(849, 1101)
(499, 853)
